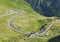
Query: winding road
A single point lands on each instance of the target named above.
(14, 28)
(46, 29)
(37, 33)
(10, 12)
(21, 31)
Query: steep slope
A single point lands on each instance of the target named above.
(30, 21)
(46, 7)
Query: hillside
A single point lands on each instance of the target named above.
(46, 7)
(28, 20)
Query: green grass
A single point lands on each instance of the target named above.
(30, 20)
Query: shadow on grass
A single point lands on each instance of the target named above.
(55, 39)
(42, 7)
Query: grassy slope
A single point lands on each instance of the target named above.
(6, 34)
(30, 22)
